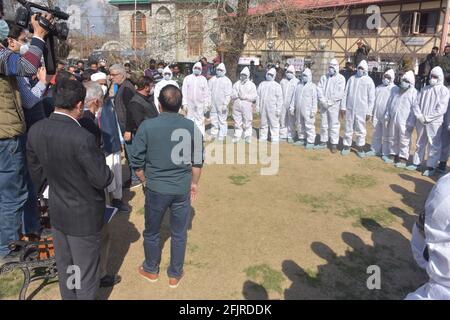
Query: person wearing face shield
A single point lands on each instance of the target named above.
(430, 244)
(287, 121)
(357, 107)
(166, 80)
(269, 104)
(196, 97)
(382, 94)
(243, 97)
(330, 91)
(221, 89)
(399, 122)
(430, 107)
(304, 108)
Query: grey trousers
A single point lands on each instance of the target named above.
(78, 263)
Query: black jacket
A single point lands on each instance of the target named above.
(89, 123)
(66, 156)
(139, 109)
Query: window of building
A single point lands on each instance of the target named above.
(285, 31)
(424, 22)
(138, 30)
(357, 26)
(258, 32)
(323, 28)
(195, 35)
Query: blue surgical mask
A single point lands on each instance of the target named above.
(24, 48)
(290, 76)
(4, 29)
(269, 77)
(160, 70)
(167, 77)
(197, 72)
(360, 73)
(243, 77)
(433, 82)
(220, 74)
(404, 85)
(386, 81)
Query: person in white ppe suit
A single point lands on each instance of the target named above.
(400, 121)
(243, 97)
(429, 109)
(431, 244)
(167, 80)
(330, 90)
(357, 105)
(221, 91)
(287, 121)
(269, 104)
(196, 97)
(442, 168)
(382, 94)
(304, 108)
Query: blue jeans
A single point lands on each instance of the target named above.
(129, 150)
(156, 205)
(13, 190)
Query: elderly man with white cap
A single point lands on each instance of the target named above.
(102, 80)
(244, 96)
(196, 97)
(221, 91)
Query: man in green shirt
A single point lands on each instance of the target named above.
(168, 158)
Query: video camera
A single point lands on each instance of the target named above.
(57, 30)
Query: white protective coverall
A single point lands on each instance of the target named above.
(221, 90)
(196, 98)
(304, 106)
(400, 119)
(287, 121)
(430, 107)
(358, 102)
(330, 90)
(161, 84)
(269, 104)
(244, 96)
(445, 153)
(382, 95)
(431, 246)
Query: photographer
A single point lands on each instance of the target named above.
(13, 191)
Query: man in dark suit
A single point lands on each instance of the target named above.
(65, 155)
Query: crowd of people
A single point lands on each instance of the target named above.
(66, 136)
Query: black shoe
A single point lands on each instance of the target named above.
(334, 148)
(110, 281)
(122, 207)
(442, 167)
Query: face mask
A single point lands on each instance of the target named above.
(269, 77)
(386, 82)
(220, 74)
(167, 77)
(160, 70)
(4, 29)
(331, 71)
(433, 81)
(24, 48)
(289, 76)
(360, 73)
(243, 78)
(404, 85)
(105, 89)
(197, 72)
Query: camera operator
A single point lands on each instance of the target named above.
(13, 190)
